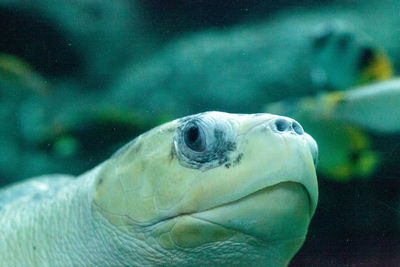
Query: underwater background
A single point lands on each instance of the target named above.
(78, 79)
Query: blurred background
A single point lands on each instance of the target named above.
(80, 78)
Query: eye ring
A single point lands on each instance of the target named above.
(204, 141)
(195, 138)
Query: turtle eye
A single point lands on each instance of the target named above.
(194, 137)
(203, 141)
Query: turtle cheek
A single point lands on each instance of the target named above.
(171, 189)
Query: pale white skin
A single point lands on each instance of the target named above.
(143, 207)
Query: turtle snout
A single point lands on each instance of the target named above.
(284, 125)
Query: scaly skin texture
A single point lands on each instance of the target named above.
(145, 207)
(65, 231)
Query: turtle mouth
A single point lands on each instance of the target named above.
(281, 211)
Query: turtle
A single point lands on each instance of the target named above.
(208, 189)
(240, 69)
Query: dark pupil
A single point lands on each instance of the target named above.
(193, 134)
(194, 138)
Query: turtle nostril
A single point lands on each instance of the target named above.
(297, 128)
(282, 125)
(287, 125)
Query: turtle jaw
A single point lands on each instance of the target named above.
(274, 220)
(279, 212)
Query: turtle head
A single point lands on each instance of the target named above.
(214, 187)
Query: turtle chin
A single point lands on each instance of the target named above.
(277, 213)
